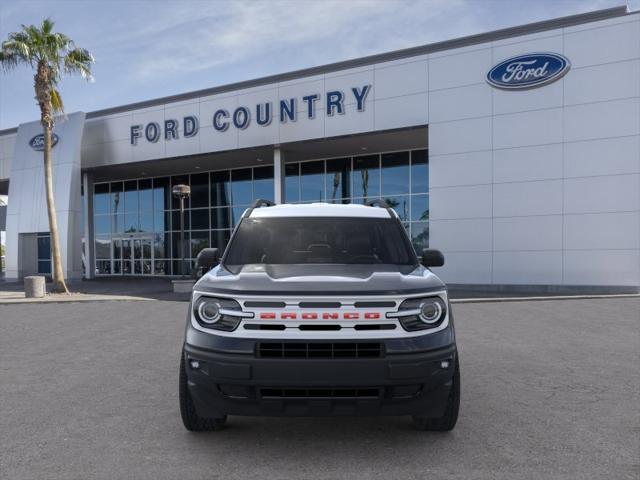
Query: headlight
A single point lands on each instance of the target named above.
(421, 313)
(218, 313)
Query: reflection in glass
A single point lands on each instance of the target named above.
(220, 218)
(44, 247)
(160, 221)
(200, 190)
(175, 220)
(101, 224)
(420, 236)
(145, 195)
(419, 171)
(220, 189)
(337, 179)
(146, 221)
(241, 192)
(160, 244)
(117, 198)
(131, 196)
(44, 266)
(401, 205)
(103, 247)
(312, 181)
(131, 223)
(219, 239)
(366, 176)
(101, 198)
(420, 207)
(161, 194)
(395, 173)
(200, 219)
(162, 267)
(292, 182)
(263, 183)
(199, 240)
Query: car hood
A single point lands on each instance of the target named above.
(342, 280)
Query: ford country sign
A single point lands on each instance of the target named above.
(528, 71)
(37, 142)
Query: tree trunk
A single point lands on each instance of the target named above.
(43, 95)
(59, 284)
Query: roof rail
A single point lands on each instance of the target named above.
(257, 204)
(382, 204)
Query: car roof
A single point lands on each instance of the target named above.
(320, 210)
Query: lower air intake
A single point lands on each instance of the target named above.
(320, 350)
(320, 392)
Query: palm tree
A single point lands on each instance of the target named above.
(50, 55)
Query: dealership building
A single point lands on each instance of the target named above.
(515, 152)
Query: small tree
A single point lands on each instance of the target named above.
(49, 54)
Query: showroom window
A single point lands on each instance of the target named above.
(137, 222)
(401, 178)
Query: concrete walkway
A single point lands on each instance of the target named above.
(103, 289)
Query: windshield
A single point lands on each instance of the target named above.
(320, 240)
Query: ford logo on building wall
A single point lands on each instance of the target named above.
(37, 142)
(528, 71)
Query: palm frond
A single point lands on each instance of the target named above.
(56, 101)
(79, 60)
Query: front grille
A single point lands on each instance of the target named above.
(320, 350)
(320, 392)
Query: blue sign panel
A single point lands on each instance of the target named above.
(528, 71)
(37, 142)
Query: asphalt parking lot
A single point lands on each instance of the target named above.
(550, 389)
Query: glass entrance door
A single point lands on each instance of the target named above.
(133, 256)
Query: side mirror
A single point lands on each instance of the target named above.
(206, 260)
(432, 257)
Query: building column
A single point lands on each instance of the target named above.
(87, 212)
(278, 174)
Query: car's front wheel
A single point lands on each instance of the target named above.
(447, 421)
(190, 418)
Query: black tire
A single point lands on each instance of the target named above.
(447, 421)
(190, 418)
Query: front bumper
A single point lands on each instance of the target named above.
(404, 381)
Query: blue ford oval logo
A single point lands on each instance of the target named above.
(528, 71)
(37, 142)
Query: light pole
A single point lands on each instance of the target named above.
(182, 192)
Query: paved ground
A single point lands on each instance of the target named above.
(550, 390)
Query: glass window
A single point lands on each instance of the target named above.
(103, 267)
(180, 268)
(419, 171)
(320, 240)
(101, 198)
(117, 223)
(102, 224)
(179, 180)
(145, 195)
(337, 179)
(131, 222)
(420, 236)
(292, 182)
(236, 213)
(220, 189)
(162, 267)
(395, 173)
(200, 190)
(117, 198)
(200, 219)
(176, 251)
(263, 183)
(117, 249)
(160, 245)
(241, 191)
(219, 239)
(44, 247)
(103, 247)
(220, 218)
(161, 194)
(400, 204)
(366, 176)
(161, 221)
(312, 181)
(420, 207)
(146, 221)
(175, 220)
(199, 240)
(44, 267)
(131, 196)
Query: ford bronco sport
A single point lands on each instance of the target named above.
(319, 309)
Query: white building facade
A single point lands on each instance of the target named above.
(515, 152)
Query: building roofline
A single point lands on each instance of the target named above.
(459, 42)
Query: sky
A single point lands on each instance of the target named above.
(146, 49)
